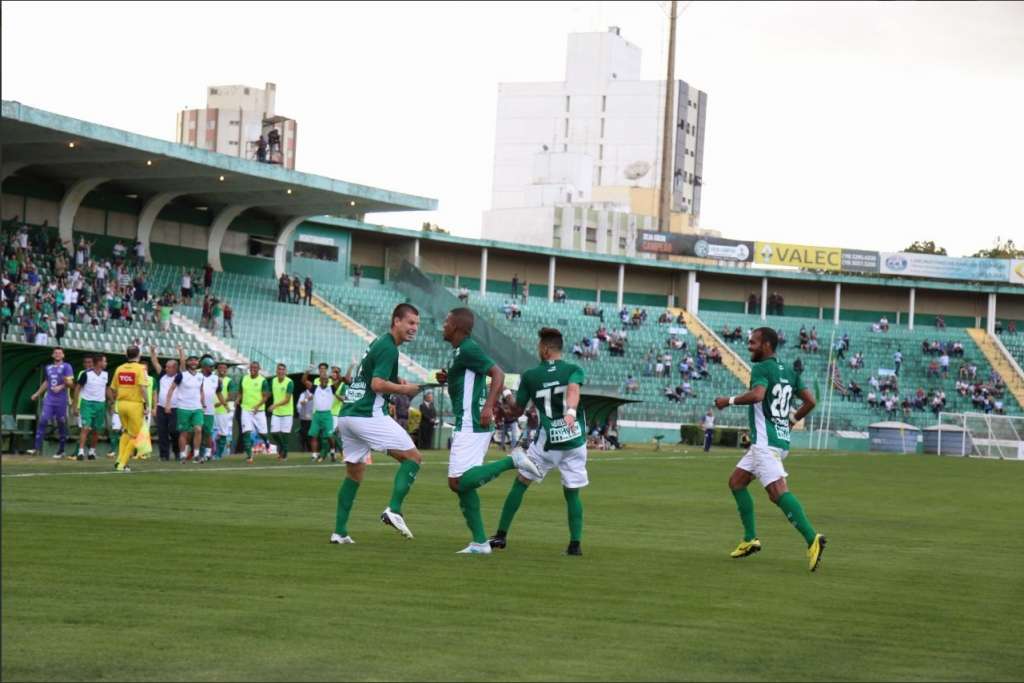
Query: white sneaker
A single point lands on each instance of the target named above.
(342, 540)
(57, 456)
(31, 451)
(313, 457)
(522, 462)
(476, 549)
(394, 519)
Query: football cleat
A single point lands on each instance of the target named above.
(119, 468)
(476, 549)
(497, 542)
(396, 520)
(31, 451)
(574, 549)
(746, 548)
(57, 456)
(91, 456)
(815, 551)
(248, 461)
(522, 462)
(338, 539)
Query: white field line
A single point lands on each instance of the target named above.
(180, 469)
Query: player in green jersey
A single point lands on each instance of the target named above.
(473, 408)
(321, 428)
(365, 424)
(772, 387)
(554, 387)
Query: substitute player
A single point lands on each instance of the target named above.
(254, 392)
(211, 382)
(130, 392)
(554, 387)
(188, 387)
(772, 387)
(282, 410)
(91, 401)
(322, 426)
(473, 407)
(365, 424)
(224, 410)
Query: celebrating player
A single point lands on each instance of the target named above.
(554, 387)
(366, 425)
(772, 386)
(59, 378)
(473, 408)
(130, 389)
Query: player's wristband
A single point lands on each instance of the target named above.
(570, 411)
(732, 400)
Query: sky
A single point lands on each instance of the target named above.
(865, 125)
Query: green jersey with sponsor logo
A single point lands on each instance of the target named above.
(769, 419)
(545, 385)
(380, 360)
(467, 385)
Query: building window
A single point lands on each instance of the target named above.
(600, 152)
(600, 173)
(604, 103)
(566, 104)
(211, 124)
(602, 126)
(246, 91)
(234, 123)
(565, 148)
(622, 243)
(213, 91)
(233, 142)
(318, 252)
(592, 235)
(568, 199)
(567, 128)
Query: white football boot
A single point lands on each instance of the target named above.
(522, 462)
(476, 549)
(341, 540)
(394, 519)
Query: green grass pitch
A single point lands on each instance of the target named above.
(223, 572)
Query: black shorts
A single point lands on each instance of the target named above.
(186, 292)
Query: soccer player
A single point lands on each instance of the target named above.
(473, 407)
(282, 410)
(188, 387)
(365, 424)
(91, 398)
(130, 391)
(554, 387)
(59, 378)
(772, 386)
(224, 410)
(210, 385)
(254, 392)
(340, 384)
(322, 426)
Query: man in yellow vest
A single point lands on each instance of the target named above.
(282, 410)
(254, 392)
(130, 389)
(223, 410)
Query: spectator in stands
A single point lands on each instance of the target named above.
(1011, 328)
(883, 324)
(853, 391)
(515, 286)
(670, 394)
(261, 150)
(897, 360)
(632, 385)
(838, 348)
(798, 366)
(715, 356)
(463, 294)
(754, 303)
(229, 314)
(296, 287)
(526, 294)
(577, 350)
(944, 364)
(940, 322)
(308, 288)
(6, 315)
(872, 399)
(997, 407)
(998, 326)
(687, 388)
(283, 286)
(560, 295)
(357, 274)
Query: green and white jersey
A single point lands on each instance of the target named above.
(467, 385)
(545, 385)
(380, 360)
(769, 419)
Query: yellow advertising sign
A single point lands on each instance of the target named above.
(799, 255)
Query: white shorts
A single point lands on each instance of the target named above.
(223, 423)
(337, 422)
(252, 422)
(115, 421)
(765, 463)
(281, 423)
(572, 464)
(468, 450)
(360, 435)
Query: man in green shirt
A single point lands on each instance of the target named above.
(254, 393)
(282, 410)
(365, 424)
(473, 407)
(554, 387)
(321, 428)
(772, 386)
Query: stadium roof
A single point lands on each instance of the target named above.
(69, 150)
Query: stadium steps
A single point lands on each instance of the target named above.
(220, 348)
(1001, 361)
(730, 359)
(353, 327)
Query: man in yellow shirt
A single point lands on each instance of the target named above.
(130, 389)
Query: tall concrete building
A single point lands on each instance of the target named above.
(233, 122)
(577, 163)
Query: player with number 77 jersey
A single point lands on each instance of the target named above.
(554, 388)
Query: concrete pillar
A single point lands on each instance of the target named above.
(416, 253)
(835, 310)
(990, 323)
(281, 248)
(69, 205)
(551, 279)
(483, 271)
(764, 298)
(154, 205)
(456, 281)
(622, 286)
(691, 291)
(217, 230)
(913, 300)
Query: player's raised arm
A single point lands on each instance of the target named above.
(153, 359)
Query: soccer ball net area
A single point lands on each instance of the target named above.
(980, 435)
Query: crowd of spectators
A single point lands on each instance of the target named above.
(295, 291)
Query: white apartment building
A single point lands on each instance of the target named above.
(235, 118)
(593, 142)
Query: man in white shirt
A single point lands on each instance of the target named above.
(187, 386)
(708, 425)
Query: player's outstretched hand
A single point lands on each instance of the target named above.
(721, 402)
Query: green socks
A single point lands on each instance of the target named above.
(249, 437)
(475, 477)
(324, 449)
(346, 496)
(115, 441)
(795, 514)
(281, 439)
(512, 503)
(469, 501)
(745, 505)
(404, 479)
(574, 506)
(219, 450)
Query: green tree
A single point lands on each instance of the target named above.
(1001, 249)
(929, 247)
